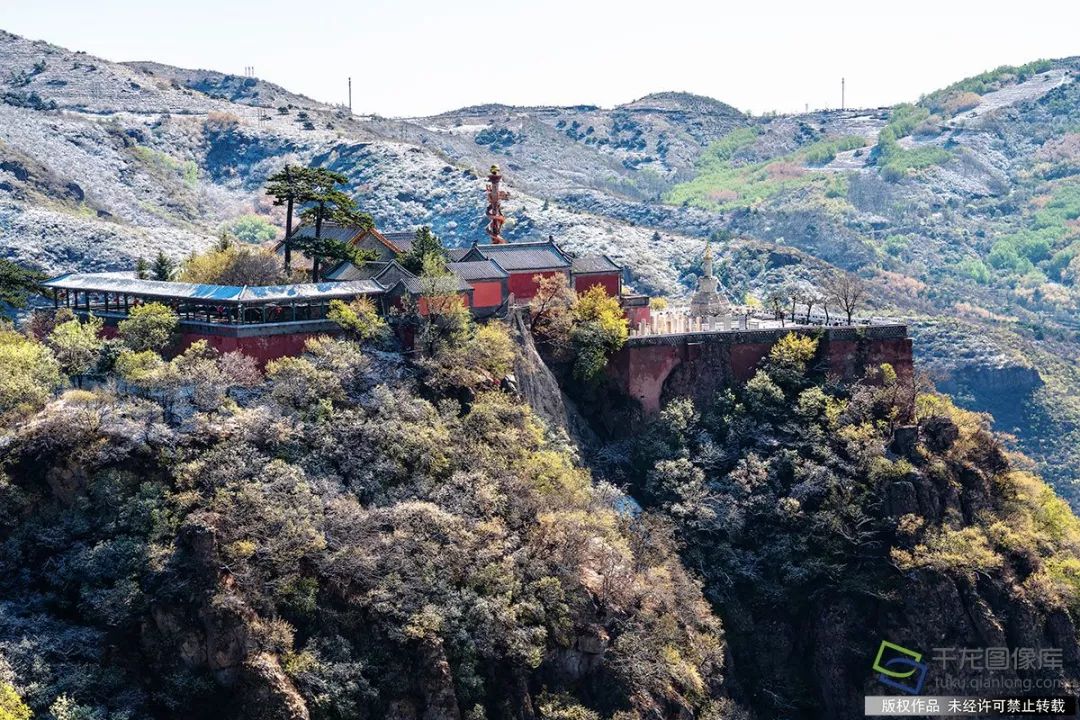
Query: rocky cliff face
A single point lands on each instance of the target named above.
(539, 387)
(822, 525)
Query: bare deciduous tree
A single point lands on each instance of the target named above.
(847, 290)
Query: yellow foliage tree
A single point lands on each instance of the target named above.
(599, 331)
(29, 374)
(12, 706)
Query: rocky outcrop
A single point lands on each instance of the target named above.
(269, 694)
(540, 389)
(1013, 380)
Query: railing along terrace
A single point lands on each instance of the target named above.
(115, 295)
(215, 314)
(678, 321)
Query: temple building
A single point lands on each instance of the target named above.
(385, 245)
(266, 322)
(524, 263)
(269, 322)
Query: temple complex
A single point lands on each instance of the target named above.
(693, 347)
(271, 321)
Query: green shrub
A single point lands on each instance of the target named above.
(12, 706)
(975, 269)
(251, 229)
(946, 549)
(824, 151)
(905, 118)
(359, 318)
(148, 327)
(29, 374)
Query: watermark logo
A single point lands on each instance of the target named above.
(900, 668)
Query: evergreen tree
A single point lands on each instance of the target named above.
(289, 186)
(142, 268)
(17, 283)
(330, 204)
(163, 268)
(426, 244)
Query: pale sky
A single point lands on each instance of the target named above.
(419, 57)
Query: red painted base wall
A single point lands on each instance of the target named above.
(263, 349)
(653, 374)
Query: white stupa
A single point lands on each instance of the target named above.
(707, 301)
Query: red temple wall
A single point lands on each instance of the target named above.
(524, 287)
(263, 348)
(487, 293)
(609, 281)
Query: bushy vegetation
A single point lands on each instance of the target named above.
(30, 374)
(339, 539)
(164, 164)
(148, 327)
(897, 162)
(904, 118)
(233, 264)
(254, 229)
(725, 182)
(1050, 241)
(984, 82)
(824, 151)
(360, 318)
(818, 531)
(583, 330)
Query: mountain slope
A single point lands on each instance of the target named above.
(963, 220)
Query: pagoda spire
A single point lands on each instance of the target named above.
(494, 208)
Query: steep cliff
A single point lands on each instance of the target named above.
(331, 545)
(823, 524)
(540, 389)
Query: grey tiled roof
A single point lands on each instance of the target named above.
(520, 257)
(416, 285)
(593, 264)
(128, 283)
(456, 254)
(403, 239)
(330, 231)
(392, 273)
(477, 270)
(365, 271)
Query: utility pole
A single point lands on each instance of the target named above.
(350, 96)
(842, 99)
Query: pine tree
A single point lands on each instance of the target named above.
(163, 268)
(425, 244)
(330, 204)
(289, 187)
(142, 268)
(18, 283)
